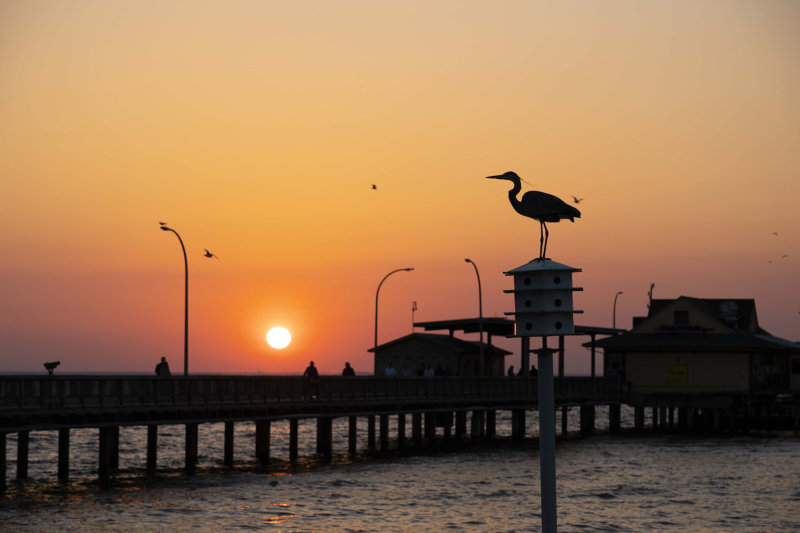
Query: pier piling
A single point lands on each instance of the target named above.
(152, 447)
(23, 443)
(191, 448)
(227, 458)
(293, 439)
(352, 434)
(63, 454)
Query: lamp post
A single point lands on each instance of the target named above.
(614, 317)
(376, 298)
(185, 302)
(480, 310)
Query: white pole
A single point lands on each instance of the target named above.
(547, 438)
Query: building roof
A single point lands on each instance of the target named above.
(501, 326)
(738, 313)
(460, 346)
(538, 265)
(738, 331)
(694, 341)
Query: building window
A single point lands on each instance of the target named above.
(681, 318)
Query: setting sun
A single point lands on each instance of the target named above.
(279, 337)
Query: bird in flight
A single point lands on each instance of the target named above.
(576, 199)
(538, 206)
(374, 187)
(209, 254)
(784, 256)
(775, 233)
(162, 223)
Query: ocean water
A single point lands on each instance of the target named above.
(621, 483)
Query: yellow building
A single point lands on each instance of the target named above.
(700, 345)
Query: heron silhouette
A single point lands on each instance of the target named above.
(538, 206)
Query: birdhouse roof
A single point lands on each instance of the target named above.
(545, 265)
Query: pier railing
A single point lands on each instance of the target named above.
(27, 393)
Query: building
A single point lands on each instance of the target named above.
(445, 353)
(702, 345)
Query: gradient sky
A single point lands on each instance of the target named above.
(255, 129)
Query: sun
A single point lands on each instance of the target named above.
(279, 337)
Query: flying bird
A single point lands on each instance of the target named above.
(538, 206)
(775, 233)
(163, 223)
(374, 187)
(209, 254)
(784, 256)
(576, 199)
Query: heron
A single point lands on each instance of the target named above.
(538, 206)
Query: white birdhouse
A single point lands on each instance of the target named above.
(543, 299)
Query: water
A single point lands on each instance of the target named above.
(605, 483)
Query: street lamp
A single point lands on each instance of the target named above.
(480, 307)
(376, 298)
(614, 319)
(186, 301)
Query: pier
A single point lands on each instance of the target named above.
(450, 409)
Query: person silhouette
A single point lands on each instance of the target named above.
(162, 368)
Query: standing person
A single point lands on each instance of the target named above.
(312, 378)
(511, 373)
(348, 370)
(162, 368)
(389, 371)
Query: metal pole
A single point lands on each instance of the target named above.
(614, 319)
(480, 314)
(376, 299)
(547, 439)
(185, 302)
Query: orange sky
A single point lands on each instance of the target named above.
(255, 129)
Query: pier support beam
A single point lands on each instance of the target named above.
(476, 424)
(461, 425)
(416, 428)
(104, 453)
(227, 453)
(191, 448)
(564, 422)
(491, 423)
(152, 447)
(384, 432)
(325, 436)
(401, 430)
(23, 443)
(430, 428)
(293, 439)
(3, 466)
(638, 418)
(614, 418)
(114, 459)
(587, 420)
(517, 425)
(263, 428)
(352, 435)
(371, 432)
(63, 454)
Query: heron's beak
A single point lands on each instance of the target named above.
(500, 177)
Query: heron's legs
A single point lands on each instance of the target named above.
(546, 236)
(541, 239)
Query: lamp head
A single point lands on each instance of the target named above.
(408, 269)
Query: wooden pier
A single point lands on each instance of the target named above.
(437, 407)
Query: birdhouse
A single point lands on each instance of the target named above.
(543, 303)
